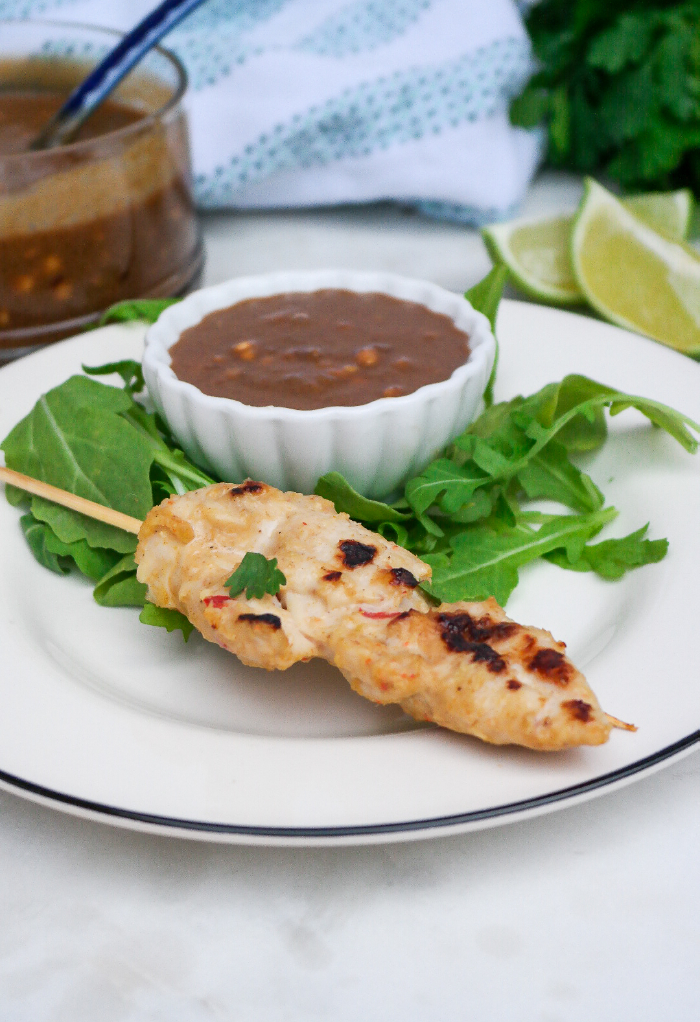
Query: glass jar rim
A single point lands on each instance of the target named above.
(118, 133)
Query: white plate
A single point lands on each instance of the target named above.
(104, 717)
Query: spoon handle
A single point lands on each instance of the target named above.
(110, 71)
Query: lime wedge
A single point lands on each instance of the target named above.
(669, 213)
(536, 252)
(634, 276)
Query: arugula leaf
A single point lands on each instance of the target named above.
(143, 310)
(612, 558)
(162, 617)
(119, 586)
(71, 527)
(93, 562)
(467, 519)
(75, 438)
(334, 487)
(394, 532)
(257, 576)
(485, 561)
(550, 475)
(97, 441)
(182, 474)
(444, 482)
(129, 370)
(36, 535)
(486, 297)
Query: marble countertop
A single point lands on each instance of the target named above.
(591, 912)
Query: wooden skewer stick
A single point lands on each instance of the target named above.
(66, 499)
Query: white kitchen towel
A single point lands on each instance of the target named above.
(315, 102)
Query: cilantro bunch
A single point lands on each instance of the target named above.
(618, 86)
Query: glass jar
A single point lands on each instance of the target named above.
(104, 218)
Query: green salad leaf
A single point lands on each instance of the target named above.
(162, 617)
(486, 297)
(466, 513)
(617, 85)
(485, 559)
(613, 557)
(334, 487)
(129, 370)
(119, 586)
(139, 310)
(98, 442)
(257, 575)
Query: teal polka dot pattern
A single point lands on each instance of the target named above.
(377, 114)
(210, 43)
(362, 65)
(20, 9)
(363, 26)
(209, 60)
(236, 16)
(472, 215)
(72, 48)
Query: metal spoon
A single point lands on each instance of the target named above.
(110, 71)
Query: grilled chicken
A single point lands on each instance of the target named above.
(352, 598)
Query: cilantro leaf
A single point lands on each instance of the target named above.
(257, 575)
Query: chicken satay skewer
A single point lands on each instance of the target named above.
(390, 644)
(69, 500)
(354, 599)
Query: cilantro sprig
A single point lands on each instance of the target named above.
(618, 87)
(256, 575)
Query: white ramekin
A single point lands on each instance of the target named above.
(376, 446)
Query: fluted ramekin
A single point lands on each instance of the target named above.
(376, 446)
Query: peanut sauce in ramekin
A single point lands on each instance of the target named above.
(319, 349)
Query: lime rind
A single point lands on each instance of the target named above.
(634, 276)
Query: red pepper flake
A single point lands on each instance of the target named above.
(216, 601)
(381, 613)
